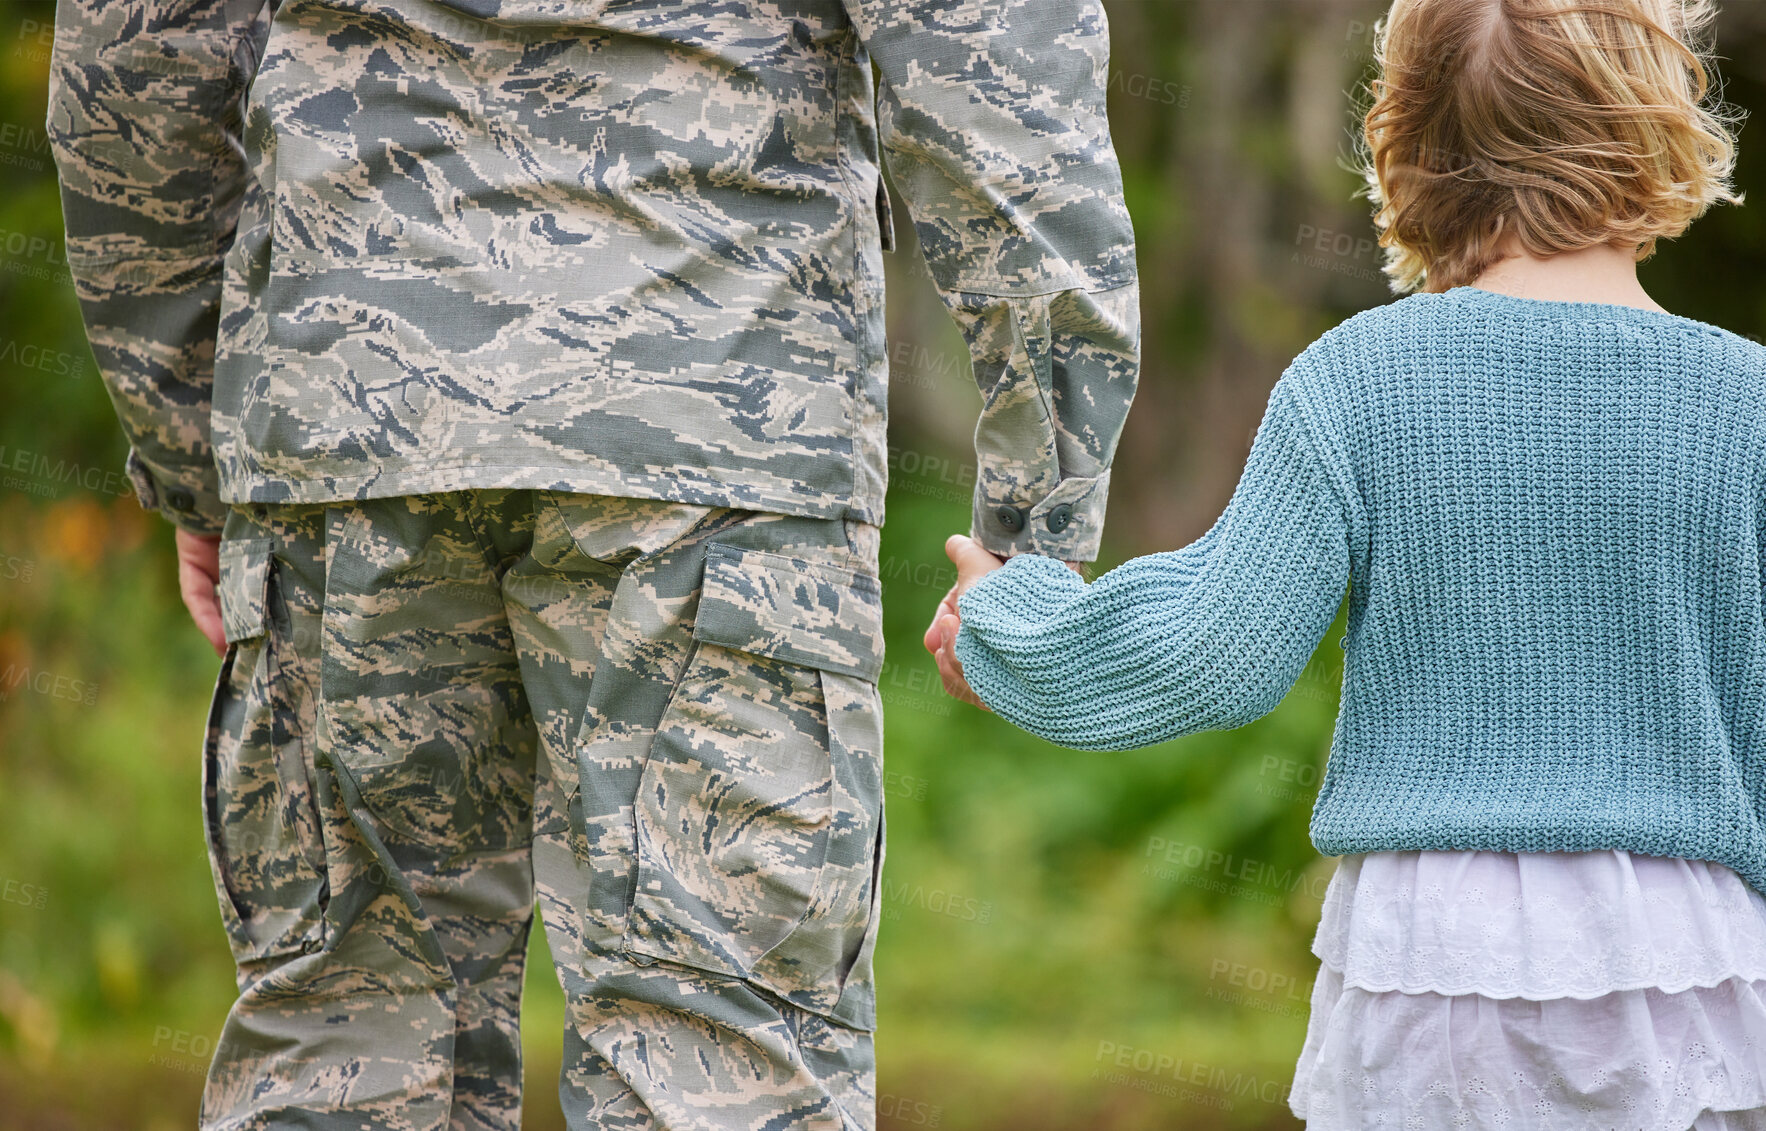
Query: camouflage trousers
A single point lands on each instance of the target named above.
(660, 721)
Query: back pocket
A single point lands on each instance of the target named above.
(759, 813)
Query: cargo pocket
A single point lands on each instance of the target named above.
(760, 809)
(264, 843)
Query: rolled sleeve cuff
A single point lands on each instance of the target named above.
(1067, 523)
(189, 500)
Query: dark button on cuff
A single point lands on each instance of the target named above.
(1059, 517)
(1010, 517)
(179, 498)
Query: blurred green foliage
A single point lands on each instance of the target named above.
(1033, 916)
(1071, 940)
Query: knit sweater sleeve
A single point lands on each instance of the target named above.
(1208, 637)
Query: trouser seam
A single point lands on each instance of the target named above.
(469, 507)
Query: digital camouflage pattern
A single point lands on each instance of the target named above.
(628, 247)
(663, 716)
(530, 358)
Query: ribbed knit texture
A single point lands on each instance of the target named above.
(1551, 518)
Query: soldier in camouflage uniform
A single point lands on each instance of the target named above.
(527, 359)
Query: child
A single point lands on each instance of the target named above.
(1547, 496)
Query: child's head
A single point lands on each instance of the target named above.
(1554, 125)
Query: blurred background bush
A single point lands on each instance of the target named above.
(1072, 940)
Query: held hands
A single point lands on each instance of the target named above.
(973, 563)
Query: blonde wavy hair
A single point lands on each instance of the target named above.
(1560, 124)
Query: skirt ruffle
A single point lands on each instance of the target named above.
(1629, 1060)
(1539, 925)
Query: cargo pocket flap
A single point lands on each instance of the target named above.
(243, 587)
(802, 612)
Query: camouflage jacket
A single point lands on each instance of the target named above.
(331, 249)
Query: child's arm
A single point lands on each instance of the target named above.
(1208, 637)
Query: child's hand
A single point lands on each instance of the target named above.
(973, 563)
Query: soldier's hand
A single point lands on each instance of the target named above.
(973, 563)
(199, 571)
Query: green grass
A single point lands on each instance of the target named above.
(1033, 930)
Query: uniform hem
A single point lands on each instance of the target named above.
(438, 478)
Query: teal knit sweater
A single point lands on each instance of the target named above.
(1551, 519)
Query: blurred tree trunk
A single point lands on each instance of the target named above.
(1242, 185)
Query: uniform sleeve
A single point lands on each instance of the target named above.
(144, 125)
(992, 120)
(1208, 637)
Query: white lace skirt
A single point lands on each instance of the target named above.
(1549, 991)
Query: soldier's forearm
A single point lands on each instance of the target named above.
(152, 326)
(1001, 142)
(1058, 375)
(144, 124)
(1008, 169)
